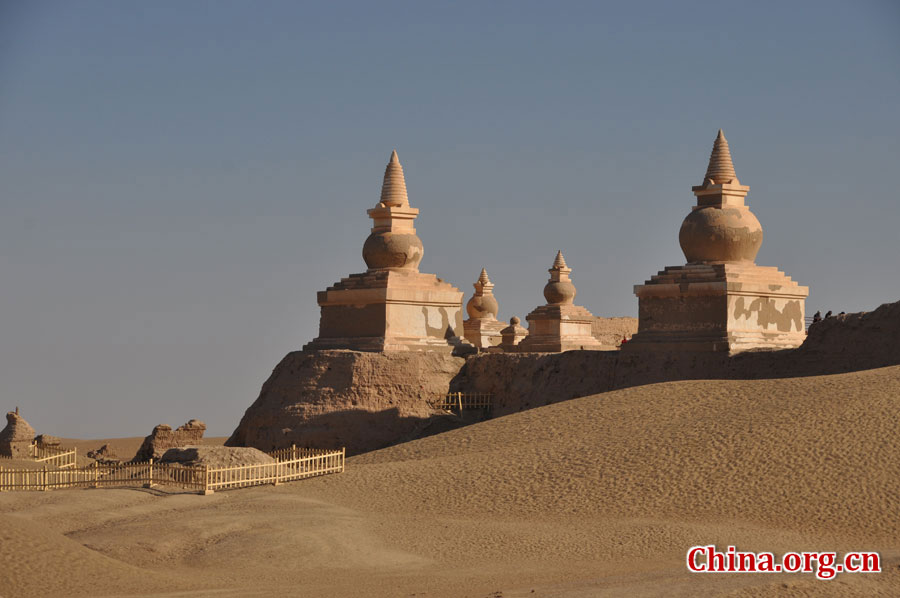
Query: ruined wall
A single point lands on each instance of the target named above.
(610, 331)
(365, 401)
(164, 438)
(332, 399)
(855, 341)
(844, 343)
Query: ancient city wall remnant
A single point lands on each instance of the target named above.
(164, 438)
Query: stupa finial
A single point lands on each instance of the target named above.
(721, 167)
(393, 190)
(560, 262)
(483, 286)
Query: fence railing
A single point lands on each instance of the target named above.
(291, 464)
(275, 473)
(55, 456)
(464, 400)
(296, 452)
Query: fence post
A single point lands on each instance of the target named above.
(459, 397)
(343, 457)
(149, 483)
(206, 489)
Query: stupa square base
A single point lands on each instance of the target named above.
(720, 307)
(484, 333)
(389, 310)
(555, 328)
(382, 344)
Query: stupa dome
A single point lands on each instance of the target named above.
(392, 250)
(713, 234)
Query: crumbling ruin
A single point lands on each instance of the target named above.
(17, 437)
(164, 438)
(216, 456)
(104, 455)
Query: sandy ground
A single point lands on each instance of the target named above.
(598, 496)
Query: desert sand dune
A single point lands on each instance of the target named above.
(597, 496)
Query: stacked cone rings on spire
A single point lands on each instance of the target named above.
(721, 167)
(560, 262)
(393, 190)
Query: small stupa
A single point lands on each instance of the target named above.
(720, 300)
(391, 306)
(560, 325)
(16, 437)
(512, 335)
(482, 329)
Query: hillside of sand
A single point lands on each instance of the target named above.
(597, 496)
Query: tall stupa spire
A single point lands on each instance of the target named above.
(393, 242)
(721, 227)
(393, 189)
(721, 167)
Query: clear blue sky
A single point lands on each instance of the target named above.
(178, 179)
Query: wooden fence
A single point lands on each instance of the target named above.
(55, 456)
(300, 464)
(291, 464)
(464, 400)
